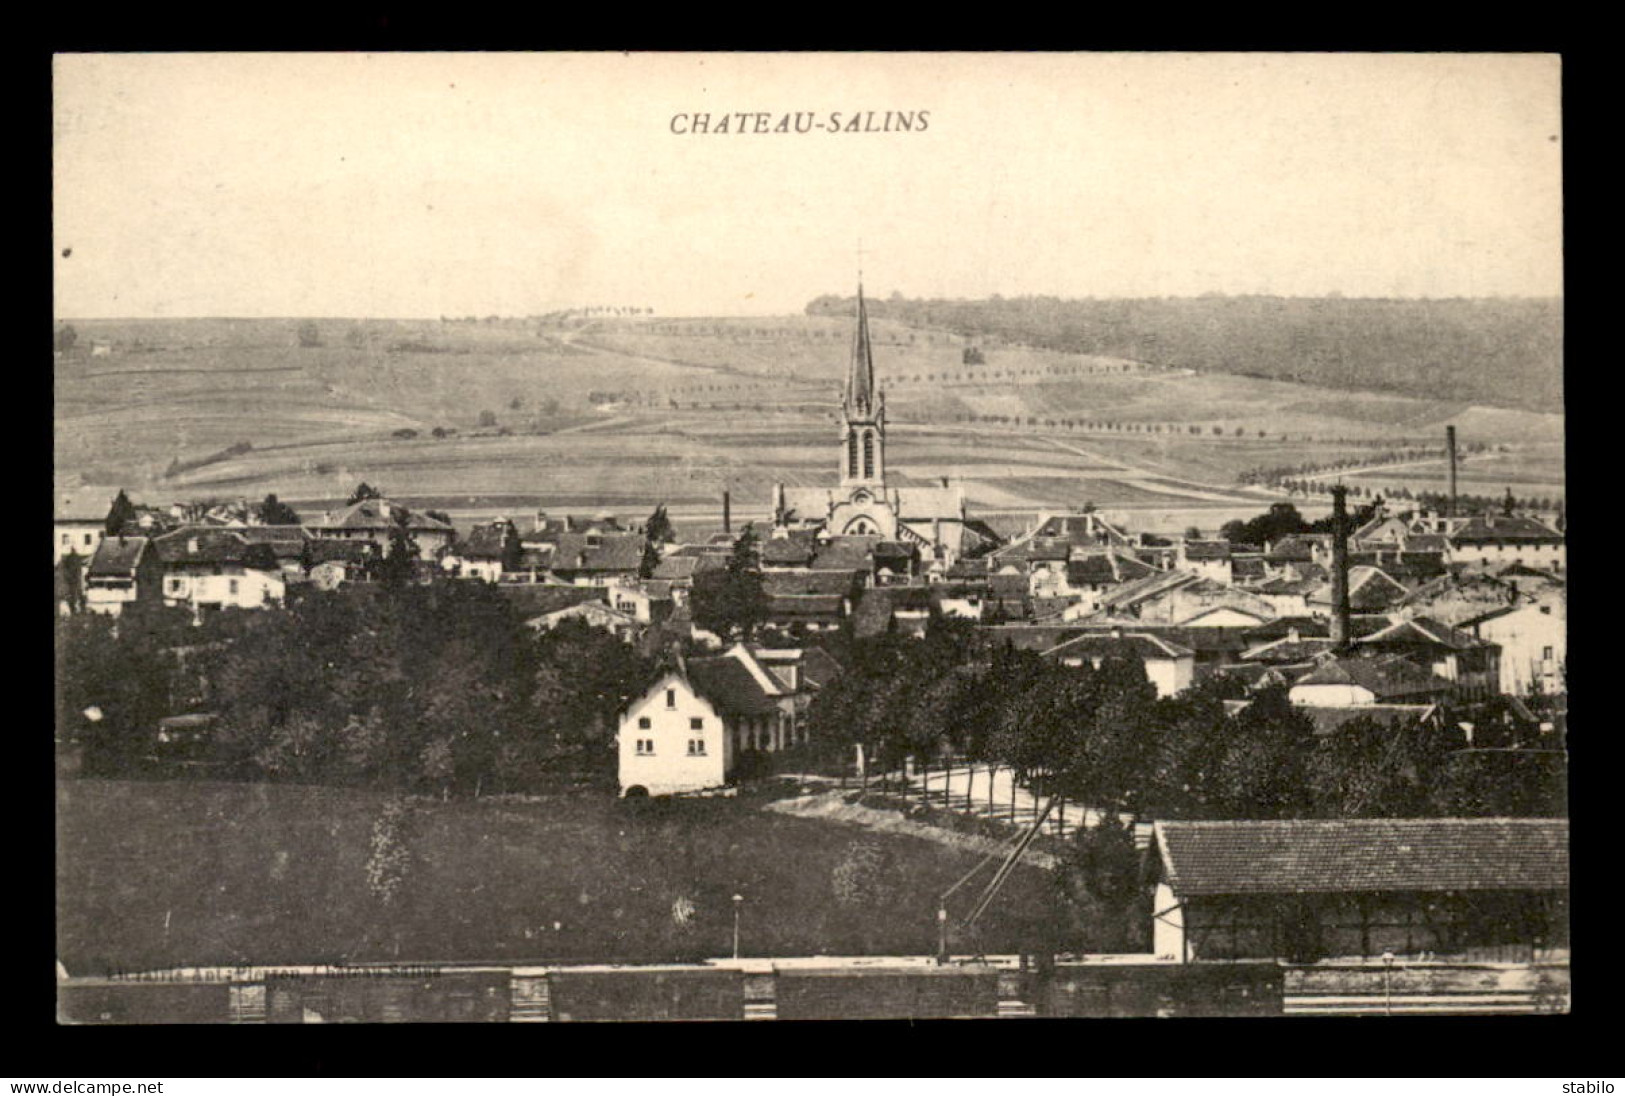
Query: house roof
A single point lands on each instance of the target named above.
(825, 607)
(1141, 645)
(729, 686)
(342, 551)
(1105, 568)
(1383, 677)
(818, 667)
(599, 551)
(539, 599)
(787, 551)
(785, 583)
(201, 544)
(117, 557)
(1286, 650)
(286, 541)
(1207, 549)
(675, 568)
(845, 554)
(1364, 855)
(1328, 718)
(487, 541)
(1502, 528)
(591, 610)
(1422, 631)
(379, 514)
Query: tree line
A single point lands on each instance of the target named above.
(1506, 352)
(1102, 737)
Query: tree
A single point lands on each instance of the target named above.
(121, 513)
(273, 512)
(309, 334)
(487, 418)
(362, 491)
(399, 566)
(659, 528)
(1102, 885)
(732, 602)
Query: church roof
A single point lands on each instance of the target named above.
(860, 380)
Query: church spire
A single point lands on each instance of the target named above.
(860, 378)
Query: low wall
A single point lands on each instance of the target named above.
(920, 994)
(647, 995)
(1160, 989)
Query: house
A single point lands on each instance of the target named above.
(598, 558)
(489, 550)
(1470, 664)
(649, 602)
(689, 730)
(596, 613)
(124, 571)
(289, 545)
(1371, 590)
(77, 527)
(1303, 890)
(1341, 681)
(1499, 539)
(1533, 636)
(206, 568)
(376, 519)
(1169, 666)
(1208, 558)
(335, 562)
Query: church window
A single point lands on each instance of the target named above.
(868, 454)
(643, 723)
(852, 454)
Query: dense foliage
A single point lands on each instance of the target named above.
(1506, 352)
(436, 689)
(1102, 737)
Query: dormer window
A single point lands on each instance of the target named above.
(671, 698)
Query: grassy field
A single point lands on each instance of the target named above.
(158, 874)
(630, 414)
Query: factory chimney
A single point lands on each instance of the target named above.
(727, 519)
(1340, 569)
(1450, 453)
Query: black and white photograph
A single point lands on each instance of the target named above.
(592, 537)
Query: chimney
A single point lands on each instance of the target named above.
(727, 518)
(1340, 569)
(1450, 453)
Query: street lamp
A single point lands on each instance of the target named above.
(942, 933)
(1387, 983)
(739, 900)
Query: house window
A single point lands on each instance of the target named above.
(233, 586)
(87, 538)
(696, 724)
(696, 747)
(646, 746)
(1546, 654)
(65, 538)
(643, 723)
(671, 698)
(176, 585)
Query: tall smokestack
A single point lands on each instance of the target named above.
(1450, 452)
(1340, 569)
(727, 519)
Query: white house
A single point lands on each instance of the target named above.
(207, 568)
(689, 729)
(1534, 641)
(1168, 665)
(123, 571)
(76, 530)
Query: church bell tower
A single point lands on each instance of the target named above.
(863, 416)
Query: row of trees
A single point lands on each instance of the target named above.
(1102, 737)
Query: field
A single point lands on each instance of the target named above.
(159, 874)
(625, 415)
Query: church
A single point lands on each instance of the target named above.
(865, 502)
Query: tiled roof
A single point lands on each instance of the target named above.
(488, 541)
(818, 667)
(613, 552)
(536, 599)
(201, 544)
(1207, 549)
(785, 583)
(1423, 632)
(1104, 568)
(117, 556)
(786, 551)
(845, 554)
(1141, 645)
(1328, 718)
(344, 551)
(1385, 678)
(1365, 855)
(1287, 650)
(873, 613)
(1497, 528)
(676, 568)
(826, 607)
(286, 541)
(375, 514)
(729, 686)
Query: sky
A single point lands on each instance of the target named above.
(420, 185)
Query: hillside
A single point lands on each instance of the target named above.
(1500, 352)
